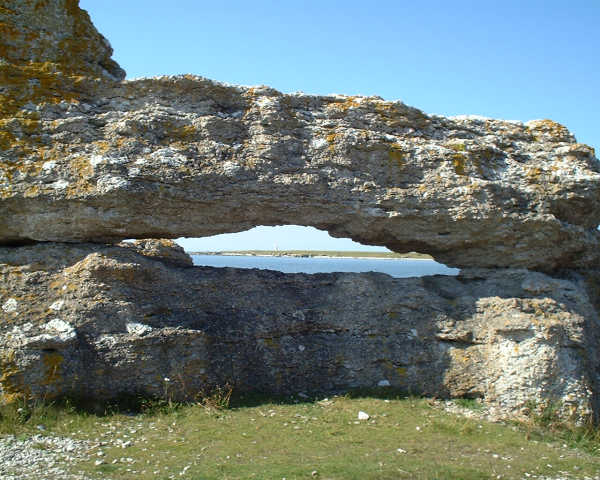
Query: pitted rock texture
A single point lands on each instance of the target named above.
(36, 32)
(87, 158)
(101, 321)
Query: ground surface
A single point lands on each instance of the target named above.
(293, 439)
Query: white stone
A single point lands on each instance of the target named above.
(266, 102)
(108, 183)
(56, 306)
(10, 305)
(230, 168)
(384, 383)
(363, 415)
(319, 143)
(168, 156)
(58, 334)
(59, 184)
(48, 166)
(59, 326)
(137, 328)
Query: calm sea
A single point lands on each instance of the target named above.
(396, 267)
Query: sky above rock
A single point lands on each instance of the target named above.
(510, 60)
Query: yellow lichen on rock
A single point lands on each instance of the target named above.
(459, 161)
(397, 154)
(549, 128)
(344, 104)
(396, 114)
(10, 378)
(52, 365)
(62, 66)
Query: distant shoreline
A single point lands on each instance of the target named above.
(318, 254)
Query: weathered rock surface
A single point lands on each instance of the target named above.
(101, 321)
(87, 158)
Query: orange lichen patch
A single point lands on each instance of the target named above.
(331, 137)
(174, 133)
(460, 355)
(11, 378)
(20, 129)
(31, 166)
(72, 7)
(41, 4)
(396, 154)
(537, 179)
(580, 151)
(344, 104)
(459, 161)
(32, 191)
(52, 365)
(81, 167)
(61, 66)
(37, 83)
(101, 147)
(251, 92)
(8, 31)
(549, 127)
(534, 172)
(463, 162)
(20, 132)
(26, 168)
(398, 115)
(457, 147)
(70, 38)
(80, 188)
(6, 11)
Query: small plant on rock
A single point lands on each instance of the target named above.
(217, 398)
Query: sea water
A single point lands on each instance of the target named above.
(396, 267)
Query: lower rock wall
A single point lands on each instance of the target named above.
(102, 321)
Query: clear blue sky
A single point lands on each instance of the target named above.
(517, 60)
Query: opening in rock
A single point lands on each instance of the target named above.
(297, 249)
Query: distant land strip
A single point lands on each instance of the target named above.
(318, 253)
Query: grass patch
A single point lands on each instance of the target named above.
(257, 437)
(470, 403)
(547, 425)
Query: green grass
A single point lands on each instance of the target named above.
(470, 403)
(319, 253)
(266, 438)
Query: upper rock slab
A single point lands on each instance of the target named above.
(47, 33)
(87, 158)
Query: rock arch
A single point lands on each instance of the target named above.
(87, 159)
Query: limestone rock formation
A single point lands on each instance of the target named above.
(37, 33)
(87, 158)
(100, 321)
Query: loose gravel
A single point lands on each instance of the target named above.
(41, 457)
